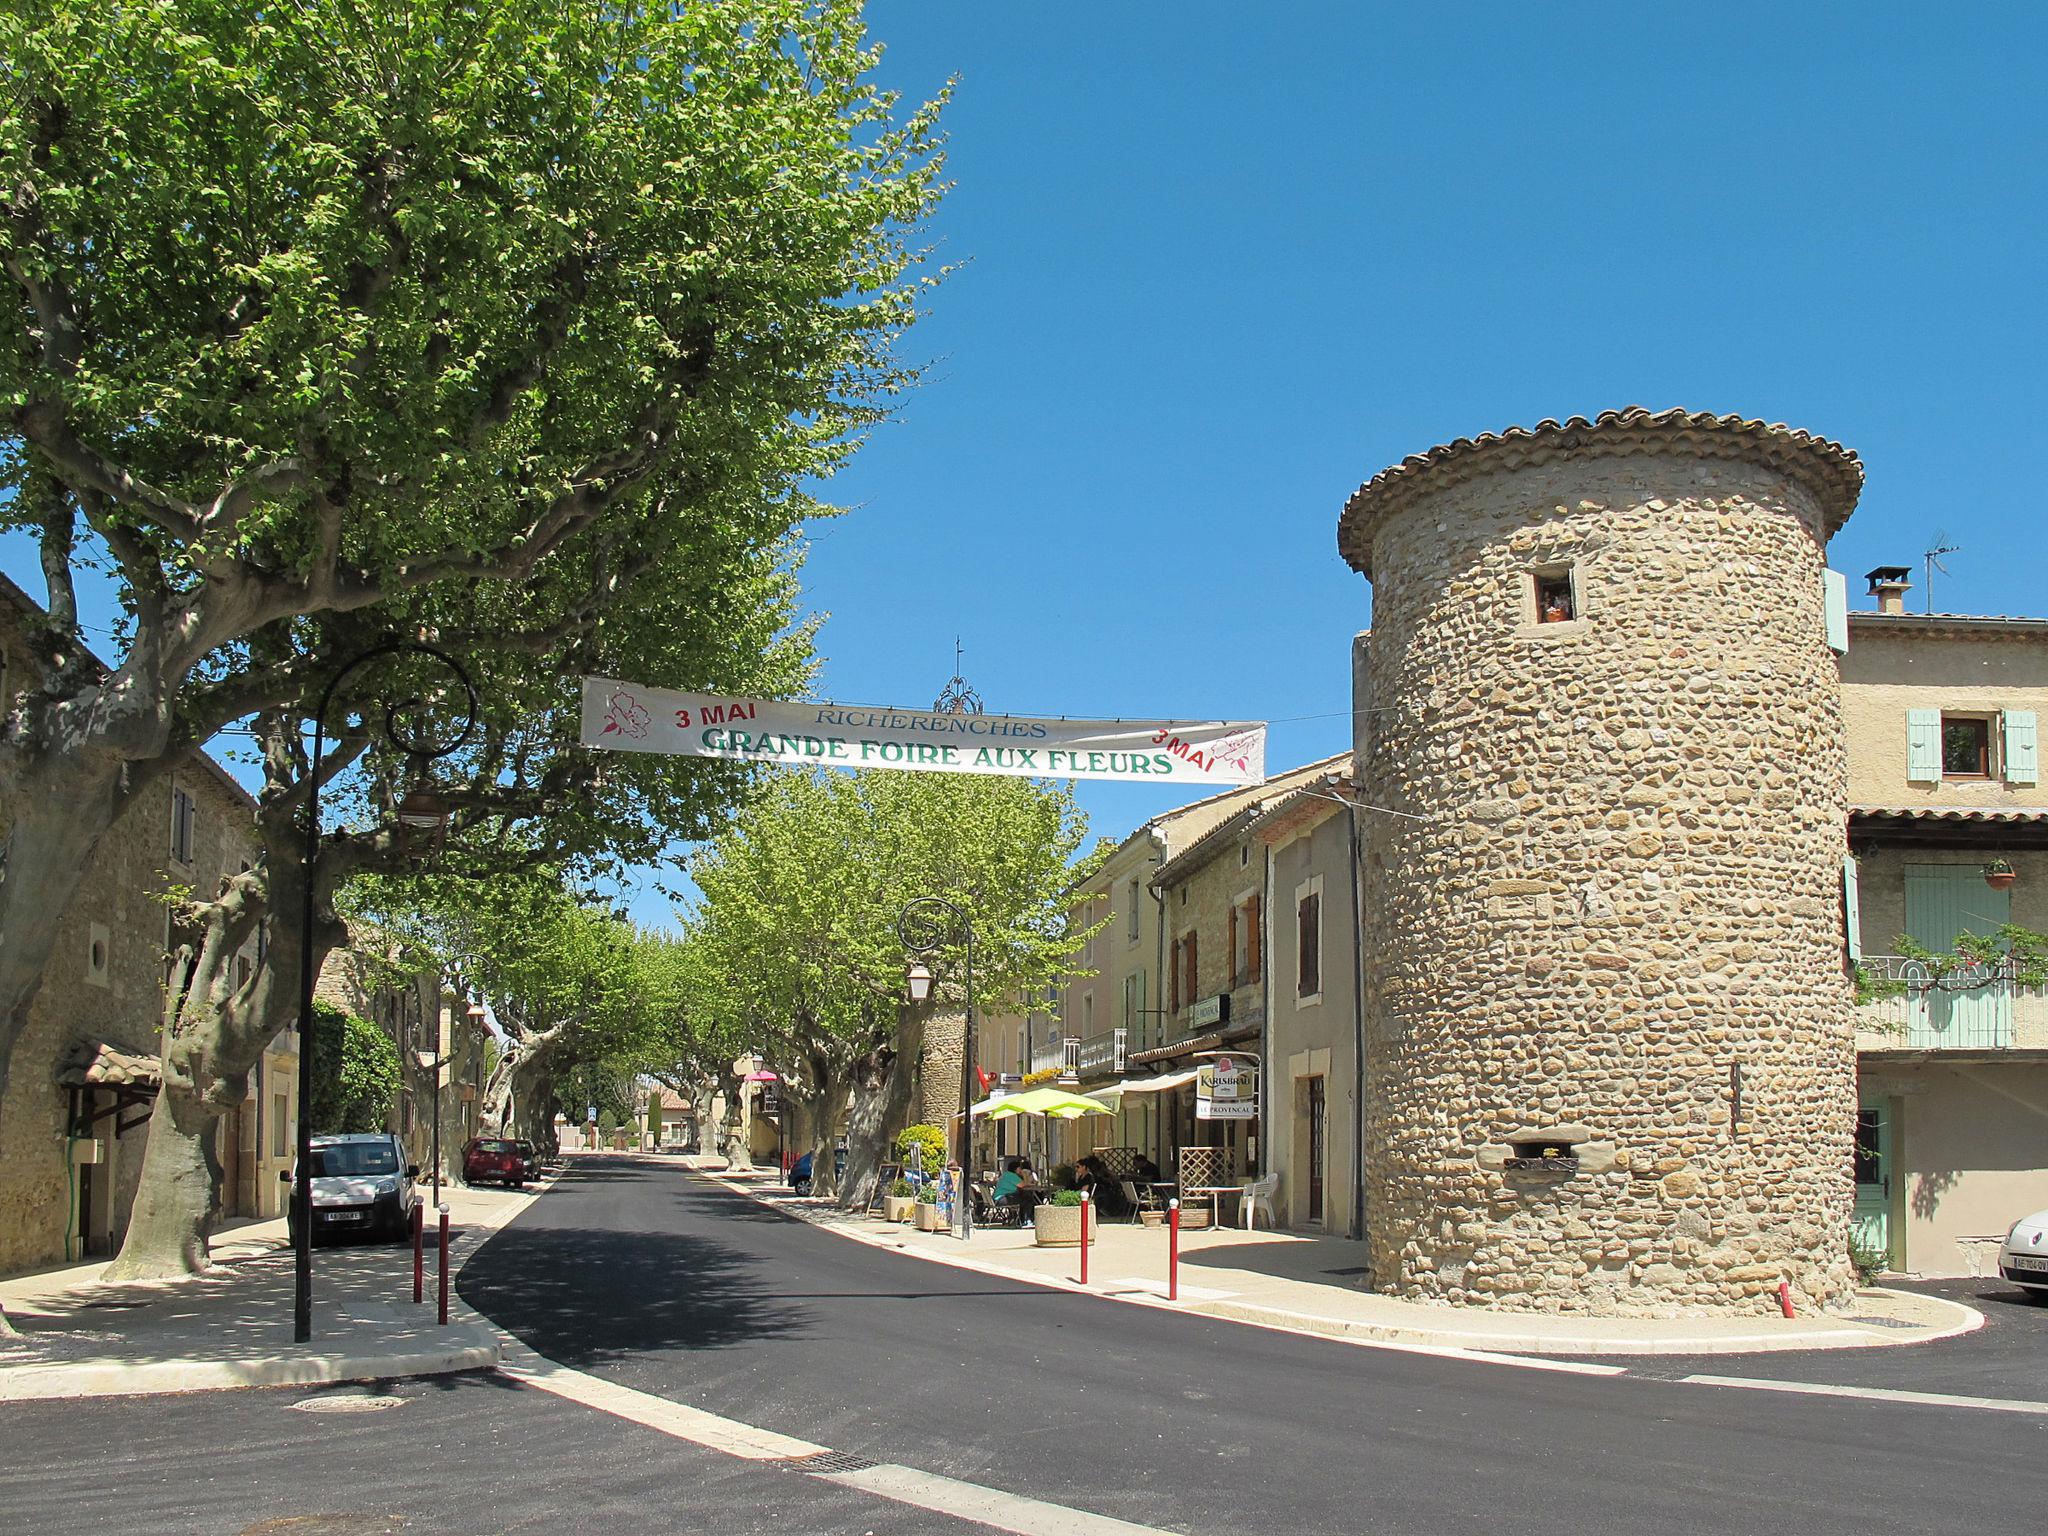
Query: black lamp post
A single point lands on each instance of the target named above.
(924, 929)
(421, 810)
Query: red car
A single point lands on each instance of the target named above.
(493, 1160)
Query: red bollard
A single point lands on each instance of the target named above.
(1084, 1237)
(444, 1264)
(419, 1252)
(1173, 1250)
(1785, 1297)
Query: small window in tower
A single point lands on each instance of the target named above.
(1555, 601)
(1965, 747)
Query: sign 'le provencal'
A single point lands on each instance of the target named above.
(626, 717)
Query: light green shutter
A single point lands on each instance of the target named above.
(1852, 915)
(1834, 596)
(1923, 746)
(2022, 748)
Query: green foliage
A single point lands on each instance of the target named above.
(922, 1147)
(1061, 1177)
(1065, 1197)
(2022, 948)
(902, 1189)
(355, 1073)
(1867, 1258)
(1871, 987)
(928, 1194)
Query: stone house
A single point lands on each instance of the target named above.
(1942, 715)
(85, 1071)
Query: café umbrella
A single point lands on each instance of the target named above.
(1053, 1103)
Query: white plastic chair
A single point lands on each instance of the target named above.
(1259, 1192)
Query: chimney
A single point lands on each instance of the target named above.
(1889, 584)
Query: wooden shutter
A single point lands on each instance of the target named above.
(1923, 746)
(2022, 748)
(1191, 983)
(1255, 948)
(1852, 916)
(1308, 920)
(1173, 980)
(1230, 950)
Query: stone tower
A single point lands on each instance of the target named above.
(1610, 1056)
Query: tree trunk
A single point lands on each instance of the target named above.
(822, 1115)
(882, 1085)
(177, 1201)
(700, 1123)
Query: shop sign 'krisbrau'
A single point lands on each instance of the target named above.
(626, 717)
(1227, 1089)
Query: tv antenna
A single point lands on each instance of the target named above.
(1933, 558)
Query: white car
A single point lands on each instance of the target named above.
(361, 1184)
(2024, 1258)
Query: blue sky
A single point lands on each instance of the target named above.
(1219, 264)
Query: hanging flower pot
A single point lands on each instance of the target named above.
(2000, 875)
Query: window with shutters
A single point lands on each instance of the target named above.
(1173, 980)
(1244, 940)
(1131, 912)
(2021, 746)
(1190, 985)
(1308, 941)
(1965, 747)
(184, 816)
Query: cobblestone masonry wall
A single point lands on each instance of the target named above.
(1626, 883)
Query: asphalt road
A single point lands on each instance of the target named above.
(664, 1282)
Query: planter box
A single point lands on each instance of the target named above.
(931, 1218)
(1152, 1218)
(898, 1208)
(1194, 1217)
(1059, 1226)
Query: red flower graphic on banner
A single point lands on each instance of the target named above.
(624, 715)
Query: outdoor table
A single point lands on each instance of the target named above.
(1215, 1192)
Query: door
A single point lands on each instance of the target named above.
(1316, 1119)
(1942, 901)
(1875, 1134)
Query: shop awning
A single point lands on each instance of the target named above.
(1159, 1084)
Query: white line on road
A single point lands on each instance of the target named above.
(1876, 1394)
(992, 1507)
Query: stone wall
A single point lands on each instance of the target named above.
(1626, 880)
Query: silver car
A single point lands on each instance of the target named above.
(2024, 1258)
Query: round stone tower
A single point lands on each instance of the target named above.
(1610, 1060)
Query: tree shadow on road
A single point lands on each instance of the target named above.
(583, 1297)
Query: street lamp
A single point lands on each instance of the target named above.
(422, 811)
(924, 928)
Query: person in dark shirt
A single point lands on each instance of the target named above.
(1102, 1188)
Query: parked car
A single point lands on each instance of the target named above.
(800, 1171)
(362, 1185)
(2024, 1258)
(531, 1156)
(494, 1160)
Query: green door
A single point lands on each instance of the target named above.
(1943, 900)
(1874, 1159)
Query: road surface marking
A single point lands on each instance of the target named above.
(1876, 1394)
(901, 1485)
(985, 1506)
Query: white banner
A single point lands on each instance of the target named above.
(626, 717)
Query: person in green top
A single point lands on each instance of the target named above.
(1018, 1187)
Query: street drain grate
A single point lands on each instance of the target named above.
(834, 1461)
(346, 1402)
(1885, 1322)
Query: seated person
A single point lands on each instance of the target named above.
(1018, 1187)
(1103, 1189)
(1144, 1170)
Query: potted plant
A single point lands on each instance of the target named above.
(929, 1217)
(1999, 874)
(900, 1204)
(1057, 1223)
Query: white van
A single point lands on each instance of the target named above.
(361, 1185)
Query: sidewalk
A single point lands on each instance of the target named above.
(232, 1327)
(1313, 1285)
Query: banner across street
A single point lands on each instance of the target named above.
(626, 717)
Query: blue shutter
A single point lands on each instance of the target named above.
(2022, 748)
(1834, 591)
(1923, 746)
(1852, 915)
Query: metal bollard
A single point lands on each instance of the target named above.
(1173, 1250)
(419, 1252)
(1084, 1236)
(444, 1264)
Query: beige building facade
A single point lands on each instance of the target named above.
(1943, 713)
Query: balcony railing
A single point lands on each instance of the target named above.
(1967, 1009)
(1100, 1054)
(1053, 1056)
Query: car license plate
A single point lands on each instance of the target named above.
(341, 1215)
(2027, 1261)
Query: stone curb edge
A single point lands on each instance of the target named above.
(150, 1378)
(1347, 1330)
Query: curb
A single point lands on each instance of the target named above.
(472, 1344)
(1472, 1345)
